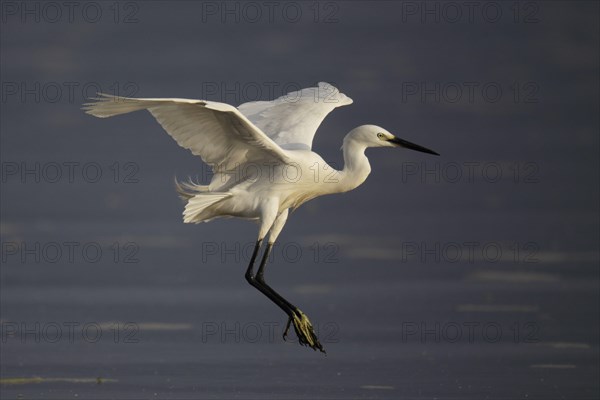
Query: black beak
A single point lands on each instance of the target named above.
(412, 146)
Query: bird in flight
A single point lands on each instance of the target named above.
(262, 162)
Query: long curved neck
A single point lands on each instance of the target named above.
(356, 165)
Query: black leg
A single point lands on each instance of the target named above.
(302, 325)
(254, 282)
(261, 278)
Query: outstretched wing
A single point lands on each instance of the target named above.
(217, 132)
(292, 120)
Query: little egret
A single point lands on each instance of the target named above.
(260, 154)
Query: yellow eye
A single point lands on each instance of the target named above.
(380, 135)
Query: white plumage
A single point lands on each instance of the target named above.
(292, 120)
(262, 160)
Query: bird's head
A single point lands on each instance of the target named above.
(376, 136)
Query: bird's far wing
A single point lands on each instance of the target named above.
(292, 120)
(217, 132)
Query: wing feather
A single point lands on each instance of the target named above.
(292, 120)
(218, 133)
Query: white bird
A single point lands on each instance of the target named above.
(263, 164)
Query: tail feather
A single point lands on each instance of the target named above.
(189, 189)
(196, 207)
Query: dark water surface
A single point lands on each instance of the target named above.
(472, 275)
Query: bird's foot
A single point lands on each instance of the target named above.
(287, 328)
(304, 330)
